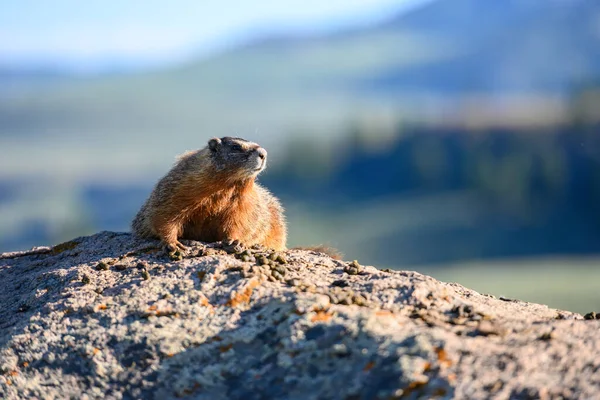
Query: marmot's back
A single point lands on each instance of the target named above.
(211, 195)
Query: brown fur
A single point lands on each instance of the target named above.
(211, 195)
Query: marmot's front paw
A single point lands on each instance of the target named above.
(176, 245)
(233, 246)
(175, 250)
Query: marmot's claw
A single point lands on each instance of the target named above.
(175, 247)
(233, 246)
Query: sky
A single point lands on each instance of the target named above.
(96, 33)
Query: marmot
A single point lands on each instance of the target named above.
(211, 195)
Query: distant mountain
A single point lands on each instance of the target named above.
(503, 46)
(446, 47)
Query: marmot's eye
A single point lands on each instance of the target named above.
(236, 147)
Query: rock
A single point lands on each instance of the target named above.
(213, 326)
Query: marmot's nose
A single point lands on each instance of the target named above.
(262, 153)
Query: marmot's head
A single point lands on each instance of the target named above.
(237, 156)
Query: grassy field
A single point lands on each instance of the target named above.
(563, 283)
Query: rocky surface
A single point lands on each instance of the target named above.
(108, 316)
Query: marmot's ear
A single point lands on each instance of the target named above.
(214, 144)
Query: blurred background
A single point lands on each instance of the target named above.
(458, 138)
